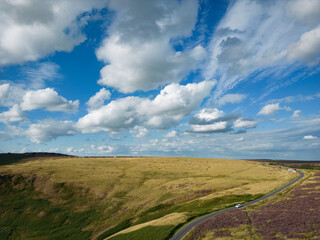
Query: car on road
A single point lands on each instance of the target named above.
(238, 205)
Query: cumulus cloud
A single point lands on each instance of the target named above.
(245, 123)
(307, 49)
(296, 114)
(231, 98)
(174, 103)
(217, 127)
(105, 149)
(270, 109)
(138, 49)
(97, 100)
(208, 115)
(14, 114)
(13, 94)
(171, 134)
(47, 130)
(32, 29)
(310, 137)
(139, 131)
(48, 99)
(70, 149)
(214, 121)
(258, 37)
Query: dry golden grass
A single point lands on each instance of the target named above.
(137, 176)
(136, 184)
(170, 219)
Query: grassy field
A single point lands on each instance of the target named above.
(144, 198)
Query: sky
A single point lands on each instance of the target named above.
(190, 78)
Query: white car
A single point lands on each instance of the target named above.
(238, 205)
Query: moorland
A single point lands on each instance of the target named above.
(62, 197)
(291, 214)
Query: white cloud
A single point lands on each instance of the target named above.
(270, 109)
(310, 137)
(139, 131)
(307, 49)
(214, 120)
(211, 128)
(105, 149)
(70, 149)
(4, 90)
(297, 98)
(138, 50)
(47, 130)
(32, 29)
(174, 103)
(171, 134)
(231, 98)
(209, 115)
(245, 123)
(54, 150)
(98, 99)
(239, 139)
(48, 99)
(118, 115)
(253, 38)
(296, 114)
(305, 11)
(14, 114)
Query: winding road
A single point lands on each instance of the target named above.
(187, 228)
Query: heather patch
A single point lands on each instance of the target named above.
(297, 216)
(232, 219)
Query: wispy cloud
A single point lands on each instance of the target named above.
(260, 38)
(42, 72)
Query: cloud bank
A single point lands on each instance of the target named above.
(174, 103)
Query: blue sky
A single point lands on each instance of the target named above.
(224, 79)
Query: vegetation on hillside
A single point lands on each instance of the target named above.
(294, 215)
(99, 198)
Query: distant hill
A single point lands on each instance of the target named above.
(285, 161)
(9, 158)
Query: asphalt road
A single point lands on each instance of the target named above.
(187, 228)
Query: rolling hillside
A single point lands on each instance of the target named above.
(144, 198)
